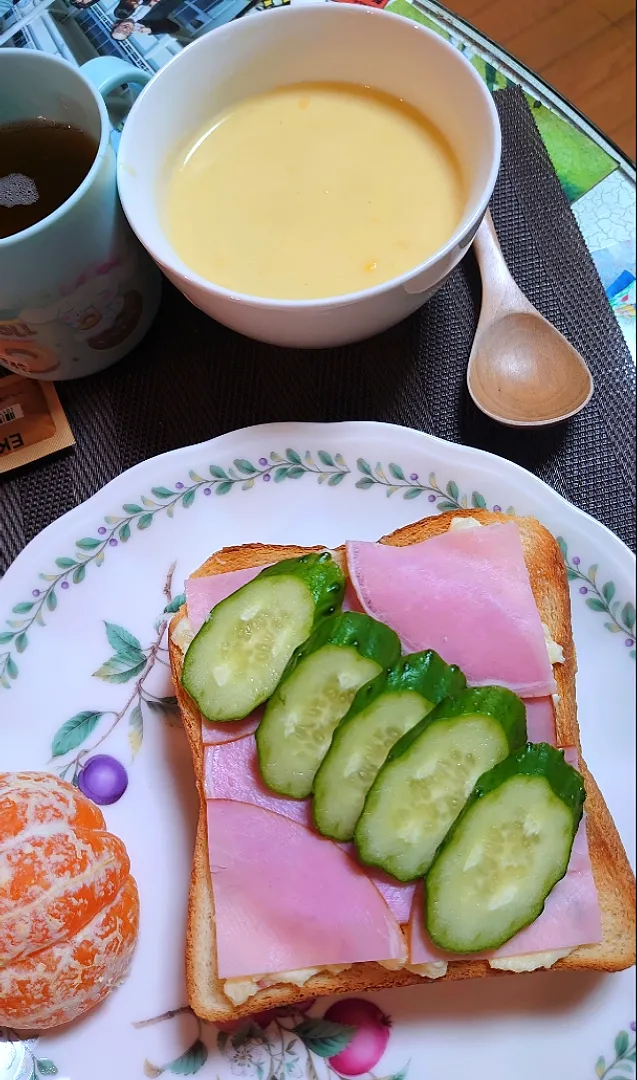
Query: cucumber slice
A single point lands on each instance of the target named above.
(380, 714)
(509, 847)
(316, 690)
(238, 656)
(429, 776)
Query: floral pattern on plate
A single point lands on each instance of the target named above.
(95, 686)
(349, 1040)
(242, 474)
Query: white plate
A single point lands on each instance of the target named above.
(115, 559)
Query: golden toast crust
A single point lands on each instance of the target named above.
(613, 876)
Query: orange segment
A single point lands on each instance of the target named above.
(54, 884)
(31, 799)
(56, 985)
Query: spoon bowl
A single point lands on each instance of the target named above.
(522, 372)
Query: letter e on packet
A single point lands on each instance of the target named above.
(32, 422)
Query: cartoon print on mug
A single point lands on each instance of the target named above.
(19, 349)
(98, 308)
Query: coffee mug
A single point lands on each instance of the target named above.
(77, 291)
(304, 43)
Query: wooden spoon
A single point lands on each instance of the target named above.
(522, 371)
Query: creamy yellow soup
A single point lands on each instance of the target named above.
(312, 190)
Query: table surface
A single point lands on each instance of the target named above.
(597, 178)
(600, 186)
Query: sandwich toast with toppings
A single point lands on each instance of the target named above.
(388, 762)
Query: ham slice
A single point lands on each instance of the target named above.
(286, 899)
(540, 720)
(465, 594)
(217, 734)
(204, 593)
(232, 772)
(398, 895)
(571, 913)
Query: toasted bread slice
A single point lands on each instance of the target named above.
(613, 876)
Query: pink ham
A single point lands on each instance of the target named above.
(398, 896)
(285, 899)
(571, 913)
(232, 772)
(217, 734)
(465, 594)
(540, 720)
(204, 593)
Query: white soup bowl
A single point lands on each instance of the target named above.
(309, 42)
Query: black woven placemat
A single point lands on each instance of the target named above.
(192, 379)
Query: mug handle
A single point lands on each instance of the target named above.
(107, 72)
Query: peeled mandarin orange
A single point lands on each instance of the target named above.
(69, 907)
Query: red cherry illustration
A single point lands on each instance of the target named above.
(370, 1039)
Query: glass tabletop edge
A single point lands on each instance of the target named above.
(555, 97)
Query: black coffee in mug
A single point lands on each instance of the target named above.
(41, 164)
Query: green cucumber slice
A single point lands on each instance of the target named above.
(380, 714)
(237, 658)
(430, 774)
(507, 850)
(316, 690)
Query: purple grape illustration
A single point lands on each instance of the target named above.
(103, 779)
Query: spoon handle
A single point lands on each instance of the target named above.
(493, 268)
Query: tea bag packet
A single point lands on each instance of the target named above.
(32, 422)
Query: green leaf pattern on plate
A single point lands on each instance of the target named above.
(242, 474)
(16, 1053)
(324, 1038)
(621, 1065)
(130, 661)
(187, 1064)
(74, 732)
(45, 1067)
(601, 598)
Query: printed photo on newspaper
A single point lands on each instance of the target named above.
(147, 33)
